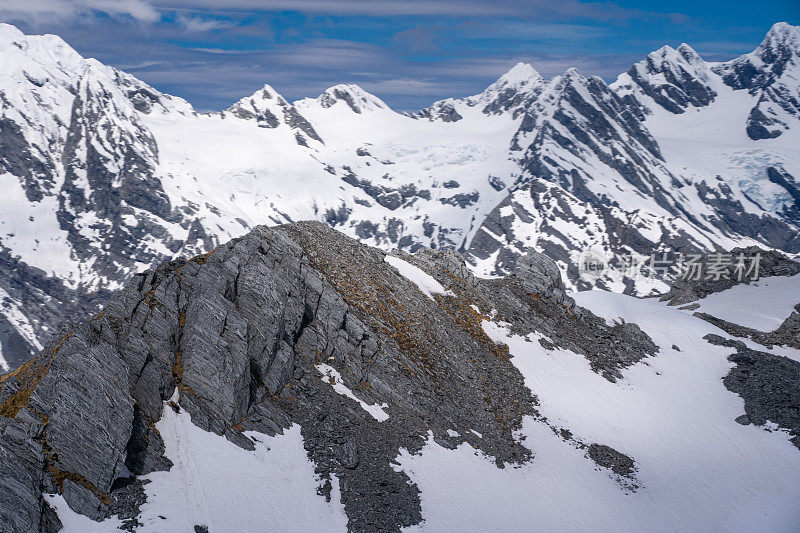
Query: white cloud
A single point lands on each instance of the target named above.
(409, 87)
(137, 9)
(198, 24)
(44, 11)
(223, 51)
(529, 9)
(41, 10)
(351, 7)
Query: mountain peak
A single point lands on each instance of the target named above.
(519, 74)
(669, 55)
(688, 53)
(353, 95)
(664, 51)
(776, 55)
(512, 91)
(269, 109)
(266, 92)
(781, 41)
(9, 31)
(782, 33)
(570, 77)
(572, 73)
(673, 78)
(37, 49)
(350, 88)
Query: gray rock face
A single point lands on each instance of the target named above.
(390, 198)
(239, 333)
(732, 218)
(538, 274)
(768, 384)
(461, 200)
(767, 73)
(780, 177)
(544, 205)
(760, 126)
(444, 112)
(771, 263)
(610, 458)
(18, 348)
(679, 85)
(16, 158)
(787, 334)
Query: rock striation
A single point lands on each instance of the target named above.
(237, 337)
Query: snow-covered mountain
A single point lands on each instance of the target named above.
(297, 380)
(104, 175)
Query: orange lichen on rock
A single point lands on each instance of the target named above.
(28, 377)
(177, 374)
(202, 258)
(177, 368)
(59, 475)
(471, 322)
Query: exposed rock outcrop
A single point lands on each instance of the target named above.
(242, 334)
(787, 334)
(770, 263)
(769, 385)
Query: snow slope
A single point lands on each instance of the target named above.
(73, 522)
(762, 305)
(424, 281)
(697, 469)
(332, 376)
(217, 484)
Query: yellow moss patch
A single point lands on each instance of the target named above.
(177, 375)
(187, 389)
(202, 258)
(60, 475)
(28, 377)
(177, 368)
(471, 322)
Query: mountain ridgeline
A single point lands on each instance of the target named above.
(239, 338)
(105, 176)
(296, 360)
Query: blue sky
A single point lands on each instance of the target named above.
(408, 52)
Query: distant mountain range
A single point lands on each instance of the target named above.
(103, 175)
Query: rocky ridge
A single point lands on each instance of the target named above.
(770, 263)
(241, 337)
(768, 384)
